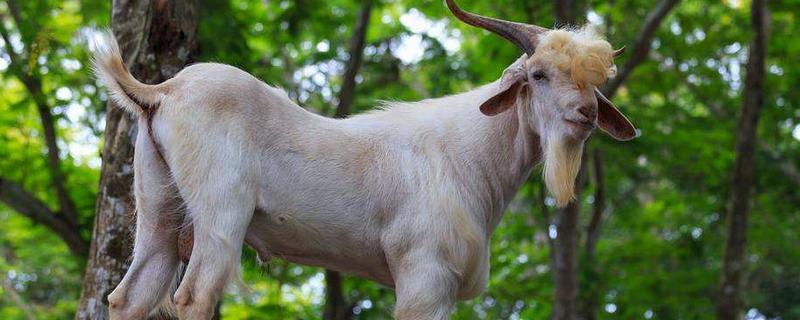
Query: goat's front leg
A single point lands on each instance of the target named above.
(220, 214)
(425, 287)
(153, 270)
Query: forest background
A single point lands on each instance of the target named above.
(697, 218)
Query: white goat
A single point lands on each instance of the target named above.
(407, 196)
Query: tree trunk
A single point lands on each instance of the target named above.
(564, 12)
(590, 293)
(729, 304)
(565, 257)
(334, 297)
(157, 39)
(336, 308)
(357, 42)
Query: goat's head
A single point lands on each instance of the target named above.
(555, 84)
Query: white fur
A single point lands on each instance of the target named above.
(407, 196)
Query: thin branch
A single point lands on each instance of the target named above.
(642, 44)
(7, 39)
(17, 299)
(26, 204)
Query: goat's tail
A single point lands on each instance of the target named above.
(134, 96)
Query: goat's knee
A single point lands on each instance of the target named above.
(191, 305)
(152, 273)
(119, 308)
(213, 264)
(206, 277)
(143, 287)
(116, 300)
(425, 291)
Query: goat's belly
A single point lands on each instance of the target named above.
(311, 243)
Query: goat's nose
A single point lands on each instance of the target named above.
(588, 111)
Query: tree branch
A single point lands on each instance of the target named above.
(642, 44)
(28, 205)
(34, 86)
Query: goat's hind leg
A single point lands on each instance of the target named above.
(221, 211)
(155, 263)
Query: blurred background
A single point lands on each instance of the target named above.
(695, 219)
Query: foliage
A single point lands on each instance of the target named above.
(660, 247)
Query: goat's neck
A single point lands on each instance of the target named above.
(507, 148)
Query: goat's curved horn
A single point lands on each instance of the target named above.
(524, 36)
(619, 52)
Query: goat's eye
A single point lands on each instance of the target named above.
(539, 75)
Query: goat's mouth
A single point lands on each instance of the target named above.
(581, 124)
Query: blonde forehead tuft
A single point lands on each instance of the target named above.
(583, 53)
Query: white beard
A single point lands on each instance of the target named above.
(562, 161)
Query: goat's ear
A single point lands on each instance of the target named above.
(503, 100)
(611, 121)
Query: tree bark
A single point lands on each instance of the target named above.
(336, 308)
(729, 301)
(157, 39)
